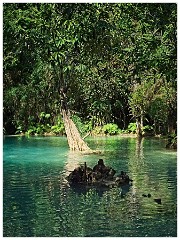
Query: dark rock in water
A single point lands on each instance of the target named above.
(157, 200)
(100, 176)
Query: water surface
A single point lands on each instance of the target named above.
(38, 202)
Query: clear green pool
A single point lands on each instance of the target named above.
(38, 202)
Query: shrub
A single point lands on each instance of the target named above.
(88, 126)
(40, 129)
(58, 129)
(31, 131)
(148, 129)
(110, 128)
(97, 130)
(124, 131)
(132, 127)
(19, 130)
(172, 141)
(44, 116)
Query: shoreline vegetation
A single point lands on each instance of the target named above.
(171, 139)
(109, 129)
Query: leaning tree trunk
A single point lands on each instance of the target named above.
(73, 136)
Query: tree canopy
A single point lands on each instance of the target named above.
(109, 62)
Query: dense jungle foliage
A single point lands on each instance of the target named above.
(115, 63)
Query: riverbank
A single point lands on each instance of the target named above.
(93, 135)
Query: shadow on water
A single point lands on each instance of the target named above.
(84, 189)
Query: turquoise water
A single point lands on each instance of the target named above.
(38, 202)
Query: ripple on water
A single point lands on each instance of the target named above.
(37, 200)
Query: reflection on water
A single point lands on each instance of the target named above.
(139, 147)
(74, 159)
(38, 201)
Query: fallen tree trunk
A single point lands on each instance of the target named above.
(73, 136)
(75, 141)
